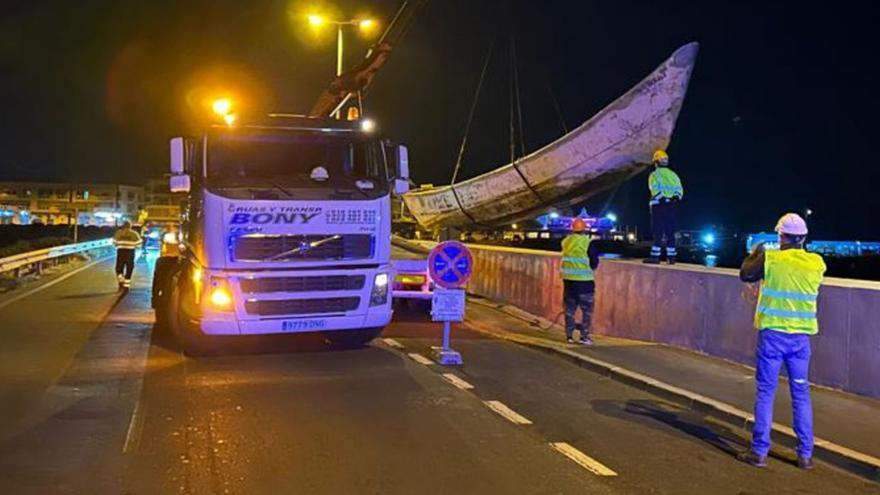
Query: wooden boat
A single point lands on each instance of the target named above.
(613, 146)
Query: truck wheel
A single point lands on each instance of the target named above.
(190, 340)
(352, 339)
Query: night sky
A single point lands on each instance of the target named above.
(781, 113)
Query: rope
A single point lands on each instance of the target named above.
(467, 130)
(515, 100)
(470, 120)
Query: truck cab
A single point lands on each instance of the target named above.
(286, 228)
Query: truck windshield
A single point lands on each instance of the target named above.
(241, 155)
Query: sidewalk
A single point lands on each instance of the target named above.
(847, 426)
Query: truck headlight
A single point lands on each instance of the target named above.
(379, 294)
(219, 295)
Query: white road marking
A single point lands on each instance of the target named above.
(585, 461)
(507, 412)
(420, 359)
(135, 428)
(393, 343)
(458, 382)
(51, 283)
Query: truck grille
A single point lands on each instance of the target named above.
(303, 247)
(302, 284)
(302, 306)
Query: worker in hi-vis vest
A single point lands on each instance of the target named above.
(666, 192)
(786, 318)
(579, 259)
(126, 241)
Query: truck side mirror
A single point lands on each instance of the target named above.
(402, 162)
(401, 172)
(179, 183)
(177, 158)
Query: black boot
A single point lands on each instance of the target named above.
(651, 260)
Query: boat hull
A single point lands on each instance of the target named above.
(613, 146)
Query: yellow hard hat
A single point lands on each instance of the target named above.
(578, 225)
(660, 155)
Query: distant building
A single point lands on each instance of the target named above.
(68, 203)
(160, 204)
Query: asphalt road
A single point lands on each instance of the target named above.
(94, 401)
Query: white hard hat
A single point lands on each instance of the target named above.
(791, 224)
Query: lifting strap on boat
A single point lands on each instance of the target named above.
(516, 109)
(467, 130)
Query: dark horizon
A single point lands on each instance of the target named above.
(778, 115)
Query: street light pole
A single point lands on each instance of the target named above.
(339, 49)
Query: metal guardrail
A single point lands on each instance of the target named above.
(33, 257)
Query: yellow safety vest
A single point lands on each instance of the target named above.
(126, 239)
(575, 261)
(789, 291)
(664, 183)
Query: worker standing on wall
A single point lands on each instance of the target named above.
(579, 259)
(786, 318)
(126, 241)
(666, 192)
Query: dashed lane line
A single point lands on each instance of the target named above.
(585, 461)
(393, 343)
(508, 413)
(420, 359)
(458, 382)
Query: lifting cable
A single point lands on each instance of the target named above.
(467, 130)
(516, 110)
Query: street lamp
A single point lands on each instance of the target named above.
(364, 25)
(222, 106)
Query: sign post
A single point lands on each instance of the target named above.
(450, 265)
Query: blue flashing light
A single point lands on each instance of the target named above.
(709, 239)
(554, 215)
(611, 216)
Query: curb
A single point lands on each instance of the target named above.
(851, 460)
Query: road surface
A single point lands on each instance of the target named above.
(95, 401)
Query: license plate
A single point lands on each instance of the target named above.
(297, 325)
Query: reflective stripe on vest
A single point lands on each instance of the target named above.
(575, 261)
(789, 291)
(664, 183)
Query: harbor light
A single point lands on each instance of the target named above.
(709, 239)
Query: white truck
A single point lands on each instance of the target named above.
(286, 228)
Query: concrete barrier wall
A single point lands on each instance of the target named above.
(704, 309)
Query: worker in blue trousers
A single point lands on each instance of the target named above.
(786, 318)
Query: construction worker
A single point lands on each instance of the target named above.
(666, 192)
(786, 318)
(126, 241)
(579, 259)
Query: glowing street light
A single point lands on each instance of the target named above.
(229, 118)
(222, 106)
(365, 25)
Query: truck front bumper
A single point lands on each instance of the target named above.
(378, 317)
